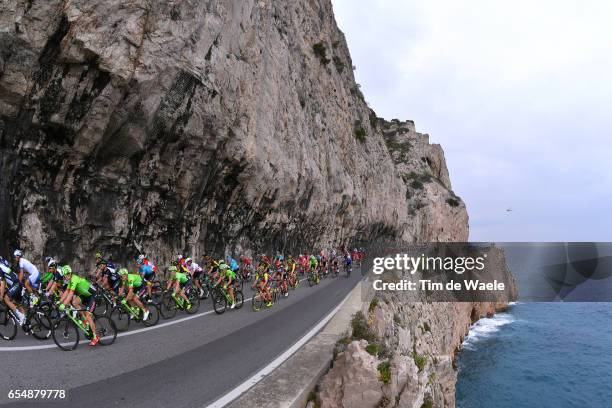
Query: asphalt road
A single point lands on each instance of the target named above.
(180, 363)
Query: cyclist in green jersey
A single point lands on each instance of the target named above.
(81, 294)
(133, 282)
(228, 277)
(177, 281)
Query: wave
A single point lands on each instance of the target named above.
(484, 328)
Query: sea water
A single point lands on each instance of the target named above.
(542, 355)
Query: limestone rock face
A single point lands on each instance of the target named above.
(200, 126)
(419, 340)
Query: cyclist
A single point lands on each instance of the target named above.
(228, 277)
(233, 265)
(247, 267)
(133, 282)
(55, 278)
(48, 278)
(314, 263)
(290, 266)
(82, 296)
(196, 272)
(348, 263)
(10, 289)
(147, 273)
(261, 281)
(177, 281)
(334, 262)
(108, 277)
(143, 260)
(33, 277)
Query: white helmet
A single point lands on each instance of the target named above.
(17, 253)
(188, 260)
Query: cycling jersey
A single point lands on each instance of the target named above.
(8, 276)
(80, 286)
(181, 277)
(133, 280)
(313, 262)
(229, 274)
(33, 274)
(234, 265)
(194, 268)
(46, 278)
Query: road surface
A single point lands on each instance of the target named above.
(189, 361)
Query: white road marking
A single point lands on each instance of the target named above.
(129, 333)
(240, 389)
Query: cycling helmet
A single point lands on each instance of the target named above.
(98, 254)
(51, 263)
(140, 259)
(188, 260)
(103, 262)
(122, 272)
(65, 270)
(17, 253)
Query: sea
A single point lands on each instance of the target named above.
(545, 355)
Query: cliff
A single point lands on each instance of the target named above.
(400, 351)
(200, 127)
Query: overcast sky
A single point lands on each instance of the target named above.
(518, 93)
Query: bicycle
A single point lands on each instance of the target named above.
(36, 323)
(258, 300)
(221, 299)
(65, 331)
(123, 314)
(313, 278)
(171, 303)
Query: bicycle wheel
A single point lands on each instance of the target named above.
(65, 334)
(153, 315)
(311, 280)
(106, 330)
(257, 302)
(239, 298)
(167, 308)
(194, 299)
(40, 325)
(102, 306)
(120, 317)
(219, 302)
(8, 325)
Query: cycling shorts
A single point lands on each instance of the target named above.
(14, 292)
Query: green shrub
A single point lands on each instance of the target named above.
(373, 304)
(361, 329)
(384, 370)
(356, 91)
(360, 132)
(453, 202)
(372, 349)
(321, 52)
(419, 360)
(416, 184)
(339, 64)
(431, 378)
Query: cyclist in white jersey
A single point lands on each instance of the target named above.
(24, 265)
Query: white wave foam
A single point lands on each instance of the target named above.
(484, 328)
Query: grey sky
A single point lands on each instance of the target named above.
(518, 93)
